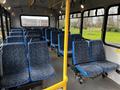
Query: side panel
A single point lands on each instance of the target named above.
(113, 55)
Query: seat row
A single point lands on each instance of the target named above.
(89, 59)
(23, 64)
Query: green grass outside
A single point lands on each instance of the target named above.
(94, 33)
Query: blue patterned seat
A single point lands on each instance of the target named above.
(54, 38)
(76, 37)
(47, 34)
(40, 69)
(15, 69)
(81, 60)
(98, 56)
(16, 33)
(61, 44)
(13, 39)
(17, 30)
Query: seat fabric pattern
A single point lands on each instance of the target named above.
(97, 51)
(89, 70)
(80, 52)
(98, 56)
(40, 68)
(76, 37)
(15, 69)
(54, 38)
(16, 34)
(61, 43)
(11, 39)
(107, 66)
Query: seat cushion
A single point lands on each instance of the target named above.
(89, 70)
(42, 72)
(107, 65)
(18, 79)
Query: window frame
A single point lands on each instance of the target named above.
(105, 28)
(91, 17)
(33, 16)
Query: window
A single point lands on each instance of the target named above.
(5, 27)
(1, 39)
(92, 26)
(85, 13)
(79, 14)
(61, 24)
(92, 12)
(34, 21)
(113, 27)
(75, 26)
(113, 10)
(100, 11)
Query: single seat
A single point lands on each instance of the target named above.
(11, 39)
(47, 34)
(76, 37)
(40, 69)
(15, 69)
(98, 56)
(81, 60)
(61, 44)
(54, 38)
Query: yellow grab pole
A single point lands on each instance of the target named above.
(63, 84)
(67, 14)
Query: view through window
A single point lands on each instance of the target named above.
(0, 32)
(75, 21)
(34, 21)
(113, 27)
(92, 25)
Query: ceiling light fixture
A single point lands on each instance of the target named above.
(9, 8)
(82, 4)
(2, 1)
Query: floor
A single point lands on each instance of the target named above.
(73, 84)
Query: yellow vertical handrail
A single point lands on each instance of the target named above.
(63, 84)
(67, 14)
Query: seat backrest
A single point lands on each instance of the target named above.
(16, 34)
(97, 50)
(17, 30)
(54, 37)
(80, 51)
(34, 33)
(11, 39)
(76, 37)
(38, 53)
(61, 41)
(14, 58)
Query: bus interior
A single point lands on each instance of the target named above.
(60, 44)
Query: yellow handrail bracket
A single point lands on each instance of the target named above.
(63, 84)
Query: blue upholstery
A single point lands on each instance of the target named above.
(11, 39)
(98, 55)
(40, 68)
(81, 60)
(80, 51)
(15, 69)
(89, 70)
(47, 34)
(76, 37)
(16, 34)
(107, 66)
(17, 30)
(61, 44)
(54, 38)
(33, 37)
(97, 50)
